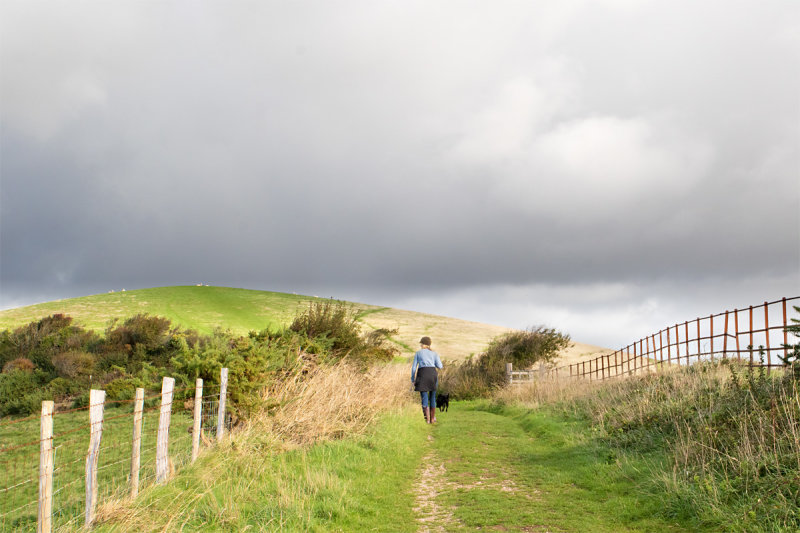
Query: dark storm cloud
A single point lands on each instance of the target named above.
(402, 147)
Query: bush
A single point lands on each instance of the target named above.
(479, 377)
(148, 331)
(76, 365)
(39, 341)
(20, 363)
(333, 327)
(61, 389)
(122, 389)
(330, 320)
(21, 392)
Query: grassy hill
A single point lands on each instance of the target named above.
(242, 310)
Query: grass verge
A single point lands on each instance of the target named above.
(356, 484)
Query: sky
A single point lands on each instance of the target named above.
(606, 167)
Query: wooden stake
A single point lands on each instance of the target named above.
(725, 338)
(223, 390)
(785, 331)
(136, 442)
(736, 326)
(162, 442)
(198, 408)
(44, 523)
(711, 321)
(766, 332)
(97, 400)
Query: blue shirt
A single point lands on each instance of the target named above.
(425, 357)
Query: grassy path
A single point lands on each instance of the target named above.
(512, 469)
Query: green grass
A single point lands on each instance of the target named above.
(199, 308)
(515, 469)
(504, 469)
(363, 483)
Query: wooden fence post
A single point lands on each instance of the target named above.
(669, 350)
(509, 376)
(44, 524)
(198, 408)
(736, 327)
(725, 338)
(711, 334)
(136, 442)
(541, 371)
(785, 332)
(766, 332)
(686, 332)
(162, 441)
(97, 400)
(223, 390)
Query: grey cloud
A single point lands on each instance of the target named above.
(409, 146)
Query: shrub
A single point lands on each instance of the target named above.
(39, 341)
(61, 389)
(122, 389)
(333, 327)
(333, 321)
(21, 392)
(20, 363)
(478, 377)
(74, 365)
(149, 331)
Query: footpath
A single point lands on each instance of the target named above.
(511, 469)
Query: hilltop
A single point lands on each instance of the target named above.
(204, 308)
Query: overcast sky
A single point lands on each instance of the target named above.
(605, 167)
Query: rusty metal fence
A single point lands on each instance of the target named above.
(756, 334)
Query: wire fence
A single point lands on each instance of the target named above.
(105, 451)
(757, 335)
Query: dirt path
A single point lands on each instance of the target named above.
(431, 516)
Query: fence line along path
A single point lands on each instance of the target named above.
(108, 449)
(757, 334)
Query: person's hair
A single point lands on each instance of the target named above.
(425, 341)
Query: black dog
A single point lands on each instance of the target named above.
(443, 402)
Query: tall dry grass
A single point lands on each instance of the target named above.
(330, 402)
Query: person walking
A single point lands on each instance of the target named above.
(425, 377)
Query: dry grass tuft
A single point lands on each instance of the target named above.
(329, 402)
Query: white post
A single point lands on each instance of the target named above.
(162, 442)
(198, 406)
(46, 456)
(97, 400)
(509, 376)
(223, 390)
(541, 371)
(136, 445)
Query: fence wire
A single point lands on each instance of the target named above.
(20, 455)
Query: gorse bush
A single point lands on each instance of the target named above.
(478, 377)
(333, 328)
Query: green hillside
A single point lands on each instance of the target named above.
(242, 310)
(196, 307)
